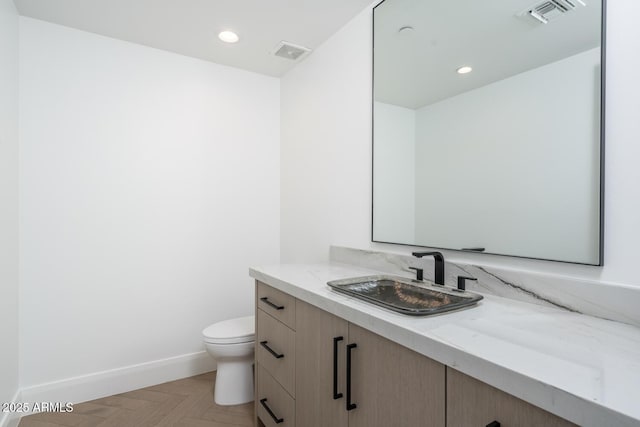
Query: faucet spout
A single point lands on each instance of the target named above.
(439, 265)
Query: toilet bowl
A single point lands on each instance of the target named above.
(231, 343)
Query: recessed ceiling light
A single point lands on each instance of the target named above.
(228, 37)
(464, 70)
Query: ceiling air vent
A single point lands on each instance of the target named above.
(550, 9)
(290, 50)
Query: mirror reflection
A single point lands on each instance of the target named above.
(487, 126)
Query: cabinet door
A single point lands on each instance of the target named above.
(473, 403)
(392, 385)
(315, 333)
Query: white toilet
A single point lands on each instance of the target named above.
(231, 342)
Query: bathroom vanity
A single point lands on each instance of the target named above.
(323, 358)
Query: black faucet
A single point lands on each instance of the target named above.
(439, 265)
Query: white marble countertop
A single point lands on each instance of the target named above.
(578, 367)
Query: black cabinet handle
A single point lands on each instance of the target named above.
(276, 420)
(270, 350)
(269, 303)
(350, 405)
(493, 424)
(336, 395)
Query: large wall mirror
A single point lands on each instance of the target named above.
(488, 119)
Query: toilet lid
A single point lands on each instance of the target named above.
(232, 331)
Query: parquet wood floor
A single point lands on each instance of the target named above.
(183, 403)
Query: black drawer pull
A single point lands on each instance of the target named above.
(493, 424)
(350, 405)
(276, 420)
(336, 395)
(269, 303)
(270, 350)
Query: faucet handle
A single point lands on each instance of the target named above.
(419, 273)
(462, 284)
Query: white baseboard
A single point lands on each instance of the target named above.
(120, 380)
(11, 419)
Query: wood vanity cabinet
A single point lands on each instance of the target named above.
(390, 385)
(303, 378)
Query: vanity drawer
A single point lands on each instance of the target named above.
(273, 403)
(276, 303)
(473, 403)
(275, 350)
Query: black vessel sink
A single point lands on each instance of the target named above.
(404, 295)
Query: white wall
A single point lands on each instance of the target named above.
(326, 104)
(9, 348)
(8, 202)
(149, 182)
(326, 147)
(517, 151)
(394, 182)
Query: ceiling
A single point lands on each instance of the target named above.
(190, 27)
(417, 68)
